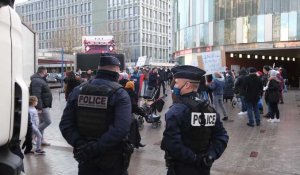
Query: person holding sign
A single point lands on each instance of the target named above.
(194, 136)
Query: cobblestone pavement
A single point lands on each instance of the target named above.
(277, 145)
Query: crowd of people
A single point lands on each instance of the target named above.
(249, 85)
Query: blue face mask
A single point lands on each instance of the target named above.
(176, 91)
(213, 76)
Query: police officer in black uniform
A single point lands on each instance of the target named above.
(194, 136)
(97, 120)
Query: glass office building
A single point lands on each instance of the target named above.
(201, 25)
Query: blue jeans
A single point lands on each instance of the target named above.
(218, 103)
(45, 121)
(244, 105)
(253, 107)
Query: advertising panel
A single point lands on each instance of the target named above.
(98, 44)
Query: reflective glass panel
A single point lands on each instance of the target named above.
(241, 8)
(261, 6)
(206, 10)
(222, 9)
(228, 9)
(229, 34)
(284, 29)
(298, 26)
(201, 31)
(216, 33)
(234, 8)
(276, 27)
(252, 37)
(211, 10)
(221, 32)
(260, 28)
(276, 6)
(294, 5)
(268, 6)
(248, 7)
(206, 35)
(292, 25)
(285, 5)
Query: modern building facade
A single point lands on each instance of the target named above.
(255, 31)
(140, 27)
(58, 23)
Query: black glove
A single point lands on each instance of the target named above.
(204, 161)
(85, 152)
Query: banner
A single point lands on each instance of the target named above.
(98, 44)
(212, 61)
(141, 61)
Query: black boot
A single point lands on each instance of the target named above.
(225, 118)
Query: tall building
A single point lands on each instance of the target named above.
(140, 27)
(252, 32)
(58, 23)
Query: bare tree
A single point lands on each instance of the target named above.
(70, 36)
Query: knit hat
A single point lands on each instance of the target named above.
(129, 85)
(273, 73)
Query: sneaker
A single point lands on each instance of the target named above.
(276, 120)
(241, 113)
(271, 120)
(39, 152)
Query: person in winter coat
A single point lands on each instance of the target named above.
(71, 81)
(136, 78)
(272, 96)
(217, 85)
(161, 80)
(265, 79)
(228, 88)
(254, 89)
(40, 89)
(134, 134)
(239, 88)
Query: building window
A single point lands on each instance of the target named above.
(119, 13)
(136, 11)
(126, 12)
(130, 11)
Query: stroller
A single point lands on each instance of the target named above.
(150, 109)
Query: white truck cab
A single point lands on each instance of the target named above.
(13, 89)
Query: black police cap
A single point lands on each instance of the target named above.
(109, 60)
(188, 72)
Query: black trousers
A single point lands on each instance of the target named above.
(108, 165)
(162, 83)
(185, 169)
(274, 110)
